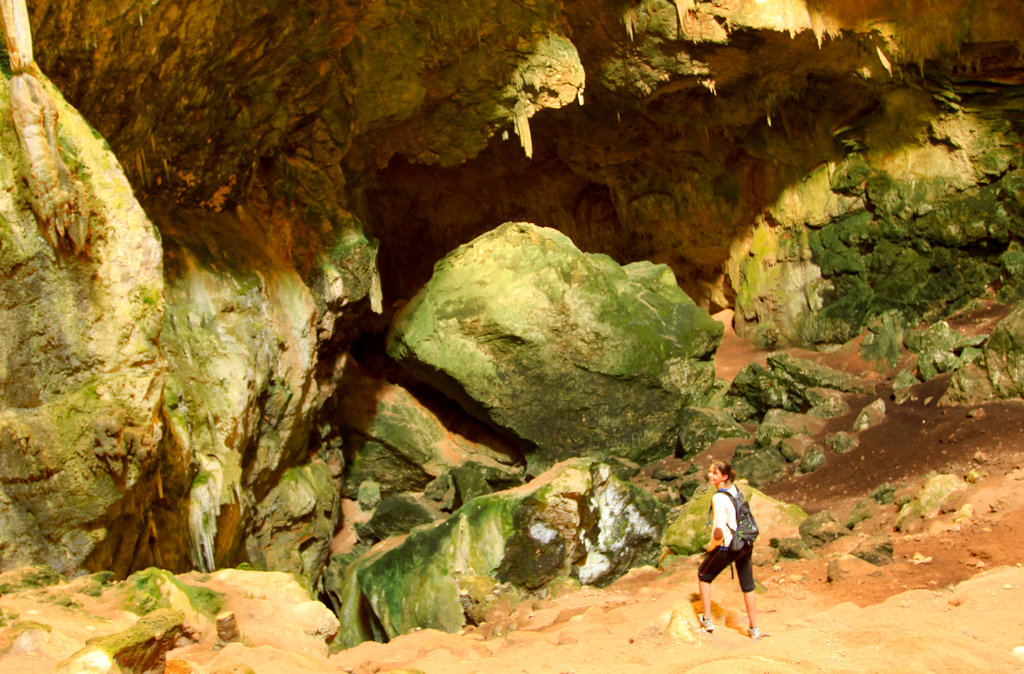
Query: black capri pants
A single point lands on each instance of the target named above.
(716, 560)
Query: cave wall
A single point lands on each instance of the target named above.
(812, 164)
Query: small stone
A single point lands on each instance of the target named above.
(872, 415)
(680, 629)
(965, 514)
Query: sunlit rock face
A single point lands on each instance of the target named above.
(813, 165)
(80, 426)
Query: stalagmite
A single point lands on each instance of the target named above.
(57, 197)
(227, 628)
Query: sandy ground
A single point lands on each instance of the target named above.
(949, 601)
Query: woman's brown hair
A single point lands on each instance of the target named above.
(723, 468)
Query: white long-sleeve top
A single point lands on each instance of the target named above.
(723, 514)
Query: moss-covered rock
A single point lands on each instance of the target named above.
(396, 440)
(520, 313)
(812, 460)
(826, 403)
(940, 349)
(81, 372)
(397, 514)
(699, 427)
(841, 442)
(575, 520)
(794, 385)
(884, 339)
(760, 465)
(155, 589)
(294, 524)
(141, 648)
(901, 385)
(999, 373)
(877, 550)
(939, 494)
(870, 415)
(792, 548)
(779, 424)
(689, 532)
(241, 350)
(820, 529)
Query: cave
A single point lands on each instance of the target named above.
(218, 233)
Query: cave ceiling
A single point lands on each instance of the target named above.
(420, 120)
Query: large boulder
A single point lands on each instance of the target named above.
(396, 440)
(570, 352)
(575, 520)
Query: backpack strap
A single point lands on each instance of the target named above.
(735, 506)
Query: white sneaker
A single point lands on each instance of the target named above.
(705, 623)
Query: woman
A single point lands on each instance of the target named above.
(723, 524)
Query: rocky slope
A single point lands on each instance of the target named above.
(916, 601)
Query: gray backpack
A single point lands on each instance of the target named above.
(746, 531)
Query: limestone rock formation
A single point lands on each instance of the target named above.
(397, 441)
(998, 372)
(575, 520)
(80, 425)
(569, 352)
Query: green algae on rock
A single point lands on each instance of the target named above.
(575, 520)
(79, 407)
(570, 352)
(689, 532)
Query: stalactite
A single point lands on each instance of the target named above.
(57, 197)
(884, 60)
(522, 127)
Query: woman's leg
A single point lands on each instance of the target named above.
(705, 598)
(712, 564)
(745, 573)
(750, 601)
